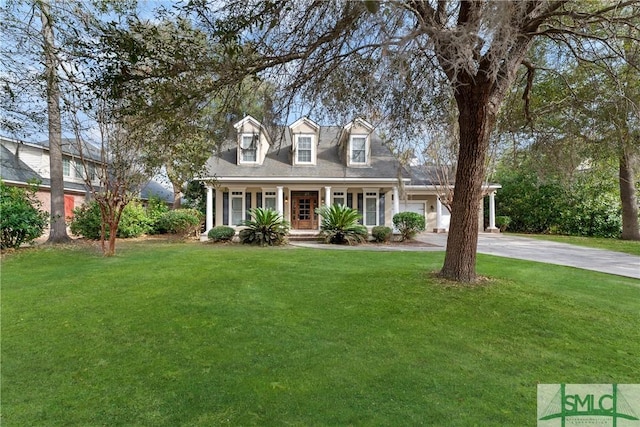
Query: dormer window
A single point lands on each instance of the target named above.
(249, 149)
(304, 138)
(304, 149)
(358, 149)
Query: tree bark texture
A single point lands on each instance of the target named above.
(177, 195)
(58, 226)
(475, 122)
(628, 198)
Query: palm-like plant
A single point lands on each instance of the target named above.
(340, 225)
(265, 228)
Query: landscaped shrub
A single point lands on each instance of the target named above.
(502, 222)
(87, 221)
(408, 224)
(340, 225)
(586, 205)
(156, 207)
(266, 228)
(221, 233)
(134, 221)
(381, 234)
(21, 219)
(183, 222)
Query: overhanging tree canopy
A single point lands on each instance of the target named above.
(392, 61)
(399, 63)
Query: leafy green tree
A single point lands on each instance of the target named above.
(166, 78)
(585, 205)
(21, 219)
(580, 122)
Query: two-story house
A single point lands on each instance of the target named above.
(23, 163)
(310, 166)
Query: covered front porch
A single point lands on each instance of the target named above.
(230, 205)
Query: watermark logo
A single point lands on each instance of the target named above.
(588, 405)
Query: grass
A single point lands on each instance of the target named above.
(616, 245)
(201, 335)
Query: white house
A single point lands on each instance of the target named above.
(315, 165)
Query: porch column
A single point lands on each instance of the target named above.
(439, 228)
(280, 200)
(219, 207)
(492, 213)
(396, 201)
(327, 196)
(209, 220)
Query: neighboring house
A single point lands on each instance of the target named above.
(311, 166)
(23, 163)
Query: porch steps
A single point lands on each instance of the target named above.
(298, 236)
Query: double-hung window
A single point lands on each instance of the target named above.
(237, 207)
(358, 152)
(371, 208)
(269, 200)
(93, 174)
(66, 167)
(304, 149)
(249, 148)
(339, 198)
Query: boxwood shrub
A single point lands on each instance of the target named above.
(381, 234)
(183, 222)
(408, 224)
(221, 233)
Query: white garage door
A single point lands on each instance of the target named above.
(417, 207)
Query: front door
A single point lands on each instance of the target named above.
(304, 204)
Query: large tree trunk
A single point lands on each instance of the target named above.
(58, 226)
(628, 199)
(475, 121)
(177, 195)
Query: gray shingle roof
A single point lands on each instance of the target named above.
(279, 161)
(14, 169)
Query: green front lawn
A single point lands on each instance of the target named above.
(204, 335)
(616, 245)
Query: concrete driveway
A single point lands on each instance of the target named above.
(521, 248)
(550, 252)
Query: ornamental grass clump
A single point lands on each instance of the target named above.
(340, 225)
(265, 228)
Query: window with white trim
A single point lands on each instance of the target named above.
(66, 167)
(237, 207)
(370, 208)
(78, 169)
(93, 174)
(269, 200)
(339, 198)
(249, 148)
(304, 149)
(358, 149)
